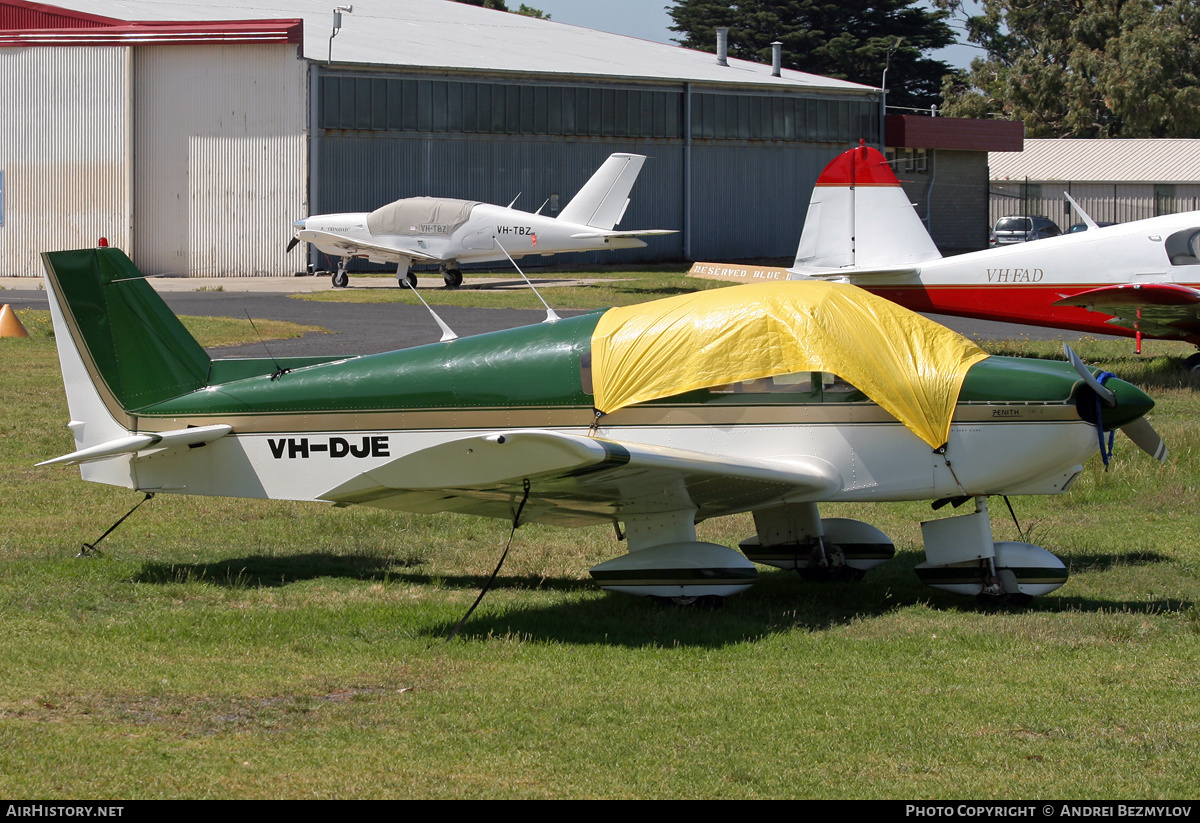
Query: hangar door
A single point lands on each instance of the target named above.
(220, 169)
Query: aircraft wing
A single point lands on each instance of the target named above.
(1160, 309)
(359, 248)
(576, 481)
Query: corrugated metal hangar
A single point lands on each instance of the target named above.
(1114, 181)
(193, 135)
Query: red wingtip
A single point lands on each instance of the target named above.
(859, 166)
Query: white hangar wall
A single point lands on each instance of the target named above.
(64, 151)
(220, 157)
(191, 157)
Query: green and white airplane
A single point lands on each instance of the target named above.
(768, 398)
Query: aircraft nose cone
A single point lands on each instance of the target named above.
(301, 223)
(1131, 403)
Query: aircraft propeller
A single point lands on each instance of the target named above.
(1138, 430)
(292, 244)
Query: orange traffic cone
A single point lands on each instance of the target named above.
(10, 324)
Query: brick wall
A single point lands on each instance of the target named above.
(951, 195)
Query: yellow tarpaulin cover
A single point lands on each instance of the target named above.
(910, 366)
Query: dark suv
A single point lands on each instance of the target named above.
(1019, 229)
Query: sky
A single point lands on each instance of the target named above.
(649, 20)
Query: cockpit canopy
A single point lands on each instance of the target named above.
(1183, 247)
(413, 216)
(910, 366)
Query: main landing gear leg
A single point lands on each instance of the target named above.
(667, 563)
(795, 536)
(405, 279)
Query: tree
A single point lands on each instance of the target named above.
(1085, 68)
(500, 5)
(848, 40)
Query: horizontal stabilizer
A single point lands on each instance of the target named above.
(857, 274)
(584, 235)
(850, 274)
(578, 480)
(139, 442)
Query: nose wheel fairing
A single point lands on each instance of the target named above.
(962, 558)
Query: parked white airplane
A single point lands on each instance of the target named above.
(450, 232)
(650, 418)
(1140, 279)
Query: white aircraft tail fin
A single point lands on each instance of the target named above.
(602, 200)
(860, 216)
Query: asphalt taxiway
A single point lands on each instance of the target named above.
(363, 328)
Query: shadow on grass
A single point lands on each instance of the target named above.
(268, 572)
(281, 570)
(1093, 562)
(780, 601)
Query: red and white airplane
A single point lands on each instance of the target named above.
(1139, 279)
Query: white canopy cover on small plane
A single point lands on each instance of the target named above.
(420, 216)
(911, 366)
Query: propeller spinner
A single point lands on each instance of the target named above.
(1126, 406)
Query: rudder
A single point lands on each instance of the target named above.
(602, 200)
(131, 343)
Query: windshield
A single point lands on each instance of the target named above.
(1012, 224)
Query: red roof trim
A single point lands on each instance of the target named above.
(161, 33)
(53, 13)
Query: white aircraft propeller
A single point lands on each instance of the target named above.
(1146, 438)
(1106, 394)
(1139, 431)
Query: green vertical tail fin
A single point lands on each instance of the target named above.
(129, 341)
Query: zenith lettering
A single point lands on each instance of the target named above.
(373, 446)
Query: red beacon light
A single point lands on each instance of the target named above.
(103, 244)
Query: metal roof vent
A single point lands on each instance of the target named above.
(776, 59)
(722, 45)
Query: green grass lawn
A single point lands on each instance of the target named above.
(246, 649)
